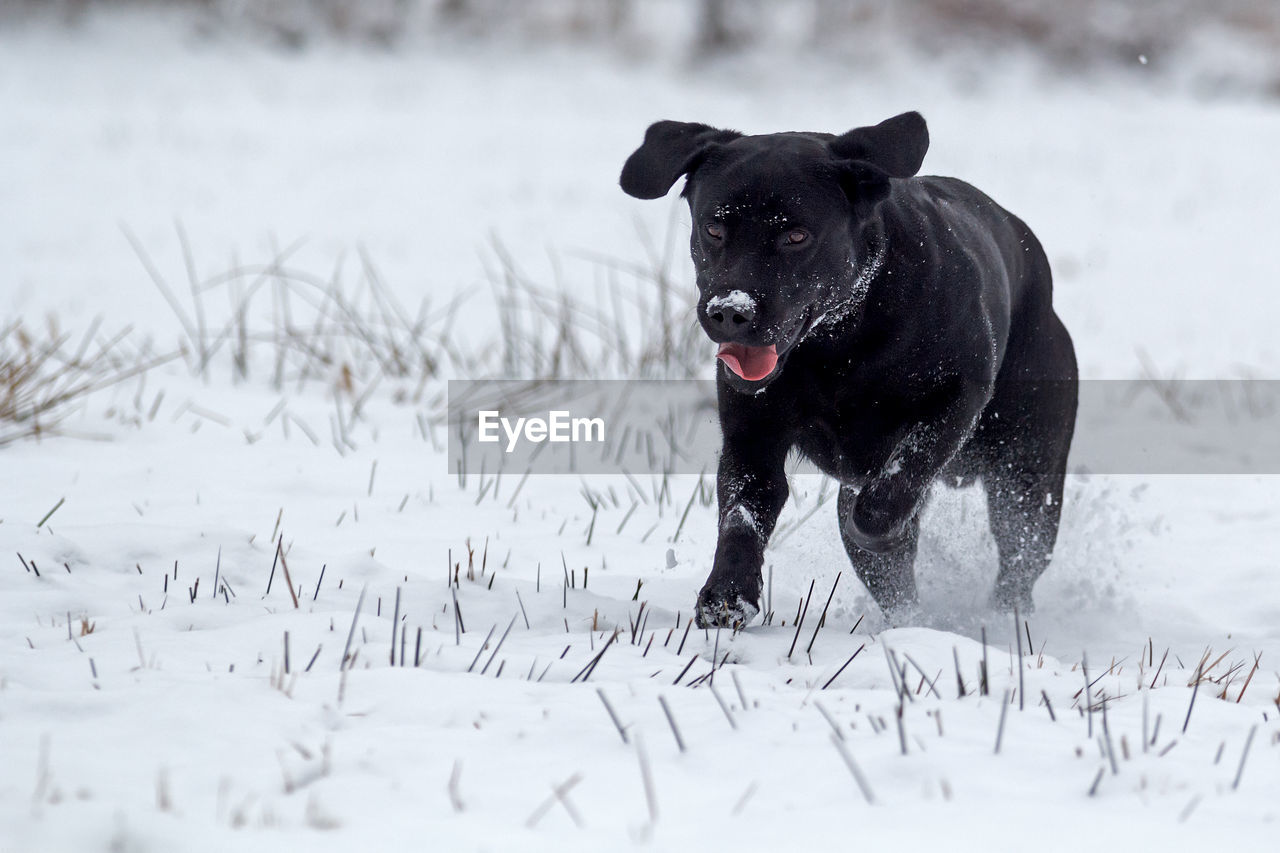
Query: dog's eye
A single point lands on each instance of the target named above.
(715, 230)
(798, 235)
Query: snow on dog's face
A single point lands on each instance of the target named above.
(776, 225)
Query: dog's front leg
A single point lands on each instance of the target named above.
(751, 487)
(891, 498)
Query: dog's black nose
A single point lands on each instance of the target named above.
(731, 319)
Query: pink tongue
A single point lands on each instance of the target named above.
(751, 363)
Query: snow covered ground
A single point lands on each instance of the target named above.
(139, 711)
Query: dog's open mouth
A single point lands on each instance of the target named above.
(750, 363)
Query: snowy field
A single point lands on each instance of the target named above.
(162, 687)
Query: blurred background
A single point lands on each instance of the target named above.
(1213, 44)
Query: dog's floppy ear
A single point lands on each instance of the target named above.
(670, 149)
(896, 145)
(866, 185)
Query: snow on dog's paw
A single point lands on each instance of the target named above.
(1009, 600)
(736, 613)
(904, 615)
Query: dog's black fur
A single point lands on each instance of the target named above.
(915, 336)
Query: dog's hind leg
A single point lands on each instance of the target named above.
(1025, 507)
(1025, 437)
(888, 575)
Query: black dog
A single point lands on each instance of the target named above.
(896, 330)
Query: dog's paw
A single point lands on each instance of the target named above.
(878, 519)
(1007, 598)
(883, 543)
(903, 614)
(717, 612)
(877, 536)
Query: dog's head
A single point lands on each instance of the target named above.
(776, 221)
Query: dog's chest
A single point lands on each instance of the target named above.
(845, 429)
